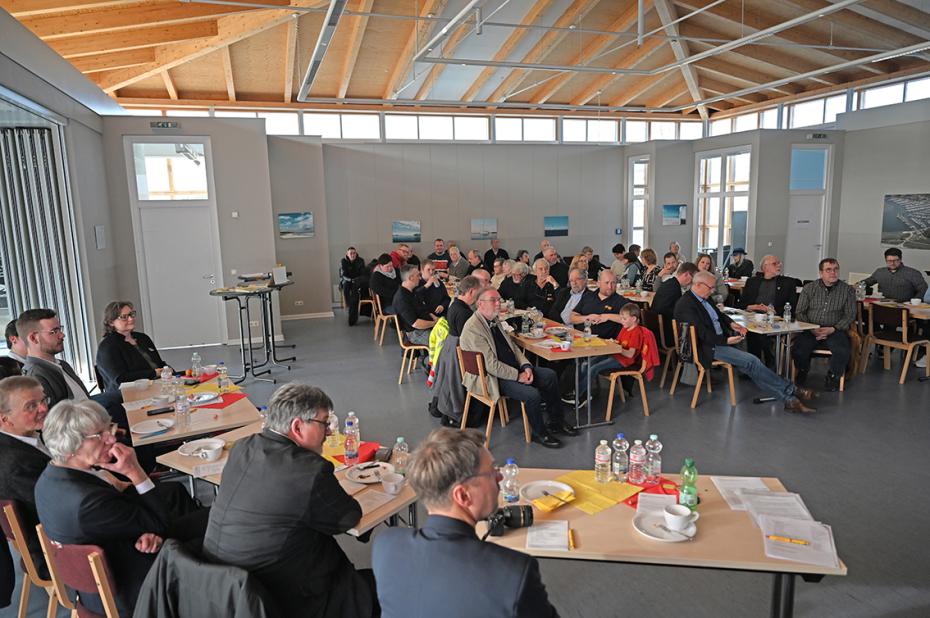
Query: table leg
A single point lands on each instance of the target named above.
(787, 356)
(783, 596)
(577, 408)
(272, 346)
(412, 515)
(245, 367)
(252, 365)
(588, 399)
(778, 354)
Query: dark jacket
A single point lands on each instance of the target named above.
(786, 291)
(50, 377)
(513, 291)
(350, 269)
(539, 297)
(433, 296)
(664, 302)
(559, 272)
(744, 269)
(458, 314)
(384, 287)
(276, 515)
(119, 361)
(181, 583)
(21, 465)
(690, 310)
(447, 571)
(76, 507)
(561, 299)
(490, 256)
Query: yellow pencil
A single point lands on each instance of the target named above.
(785, 539)
(571, 539)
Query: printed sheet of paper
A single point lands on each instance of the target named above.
(137, 405)
(819, 550)
(371, 500)
(731, 488)
(551, 535)
(208, 469)
(775, 503)
(654, 502)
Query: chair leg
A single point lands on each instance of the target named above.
(710, 389)
(732, 386)
(927, 352)
(383, 328)
(52, 603)
(886, 357)
(403, 363)
(24, 596)
(465, 410)
(378, 323)
(487, 431)
(666, 367)
(504, 412)
(642, 391)
(697, 388)
(527, 434)
(907, 364)
(675, 376)
(610, 396)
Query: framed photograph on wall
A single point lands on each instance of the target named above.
(405, 231)
(555, 226)
(296, 225)
(674, 214)
(483, 229)
(905, 220)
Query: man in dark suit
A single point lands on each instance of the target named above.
(279, 507)
(772, 289)
(568, 297)
(668, 294)
(23, 456)
(557, 268)
(740, 265)
(494, 253)
(447, 570)
(716, 342)
(16, 347)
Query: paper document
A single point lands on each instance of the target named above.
(371, 500)
(551, 535)
(731, 487)
(809, 542)
(654, 502)
(351, 487)
(775, 503)
(137, 405)
(203, 470)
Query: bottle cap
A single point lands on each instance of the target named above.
(511, 461)
(653, 436)
(689, 462)
(400, 439)
(620, 436)
(637, 442)
(603, 442)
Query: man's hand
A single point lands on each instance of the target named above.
(734, 339)
(594, 318)
(526, 376)
(742, 330)
(823, 332)
(149, 543)
(757, 307)
(551, 279)
(125, 463)
(439, 309)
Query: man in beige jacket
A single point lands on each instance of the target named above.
(510, 374)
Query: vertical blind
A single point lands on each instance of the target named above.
(37, 242)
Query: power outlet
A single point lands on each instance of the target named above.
(253, 323)
(298, 303)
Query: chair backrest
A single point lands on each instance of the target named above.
(891, 318)
(854, 278)
(13, 530)
(377, 300)
(473, 363)
(653, 321)
(80, 567)
(694, 347)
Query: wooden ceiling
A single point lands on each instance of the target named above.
(227, 53)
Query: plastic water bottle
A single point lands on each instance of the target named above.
(333, 429)
(620, 465)
(353, 439)
(401, 455)
(770, 314)
(787, 313)
(587, 330)
(687, 492)
(196, 365)
(222, 379)
(166, 376)
(182, 413)
(602, 462)
(653, 459)
(263, 413)
(510, 486)
(637, 463)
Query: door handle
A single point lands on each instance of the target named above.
(209, 276)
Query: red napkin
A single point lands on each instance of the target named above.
(366, 452)
(633, 501)
(228, 399)
(207, 376)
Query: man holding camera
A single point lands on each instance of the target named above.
(448, 571)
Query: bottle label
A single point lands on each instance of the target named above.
(601, 458)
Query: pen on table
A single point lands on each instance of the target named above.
(571, 538)
(786, 539)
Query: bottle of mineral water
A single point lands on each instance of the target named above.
(182, 413)
(602, 462)
(637, 463)
(333, 429)
(222, 376)
(687, 492)
(620, 466)
(653, 459)
(196, 365)
(352, 439)
(787, 313)
(166, 376)
(401, 455)
(587, 330)
(510, 486)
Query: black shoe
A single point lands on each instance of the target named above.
(548, 441)
(564, 428)
(831, 383)
(569, 398)
(448, 421)
(434, 409)
(801, 378)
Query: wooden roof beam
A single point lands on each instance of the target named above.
(228, 73)
(94, 44)
(667, 95)
(630, 61)
(419, 32)
(637, 87)
(290, 51)
(897, 15)
(117, 60)
(575, 12)
(854, 21)
(668, 15)
(507, 48)
(169, 85)
(717, 87)
(357, 27)
(749, 77)
(31, 8)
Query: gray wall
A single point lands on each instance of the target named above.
(243, 184)
(297, 186)
(444, 186)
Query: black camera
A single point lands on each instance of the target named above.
(519, 516)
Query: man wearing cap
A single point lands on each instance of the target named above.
(739, 265)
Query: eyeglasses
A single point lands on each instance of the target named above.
(325, 423)
(493, 301)
(32, 406)
(101, 434)
(495, 473)
(127, 316)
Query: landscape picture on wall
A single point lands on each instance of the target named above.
(674, 214)
(405, 231)
(906, 220)
(555, 226)
(296, 225)
(483, 229)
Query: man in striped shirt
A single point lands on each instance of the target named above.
(831, 303)
(897, 281)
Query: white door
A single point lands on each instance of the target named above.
(176, 239)
(804, 248)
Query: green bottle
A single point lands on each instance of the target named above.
(687, 492)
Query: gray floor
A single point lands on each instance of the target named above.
(860, 463)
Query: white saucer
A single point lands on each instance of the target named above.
(369, 473)
(647, 524)
(534, 490)
(152, 426)
(532, 336)
(194, 447)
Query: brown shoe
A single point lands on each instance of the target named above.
(796, 405)
(805, 393)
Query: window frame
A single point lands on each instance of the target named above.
(725, 196)
(632, 161)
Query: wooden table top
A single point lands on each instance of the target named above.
(920, 311)
(185, 465)
(726, 539)
(203, 420)
(778, 327)
(577, 351)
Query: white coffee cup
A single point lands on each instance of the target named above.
(679, 517)
(392, 482)
(210, 454)
(916, 301)
(142, 384)
(565, 345)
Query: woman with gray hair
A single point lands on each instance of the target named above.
(80, 502)
(511, 288)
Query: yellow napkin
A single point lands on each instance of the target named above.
(593, 497)
(595, 342)
(551, 502)
(330, 452)
(211, 387)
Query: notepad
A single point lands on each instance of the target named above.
(655, 503)
(548, 535)
(731, 488)
(782, 504)
(819, 550)
(207, 469)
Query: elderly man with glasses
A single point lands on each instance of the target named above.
(453, 573)
(280, 506)
(717, 335)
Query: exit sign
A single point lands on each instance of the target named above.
(165, 124)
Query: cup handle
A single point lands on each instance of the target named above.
(694, 516)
